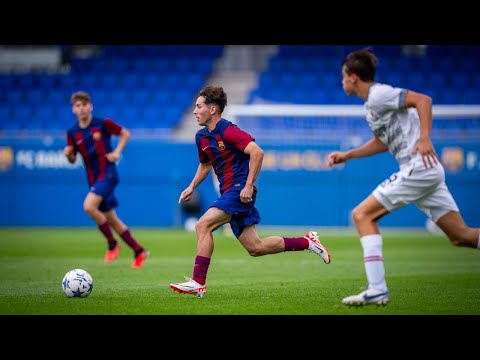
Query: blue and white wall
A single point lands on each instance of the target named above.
(38, 187)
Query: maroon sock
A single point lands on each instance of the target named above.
(128, 238)
(105, 229)
(200, 269)
(295, 244)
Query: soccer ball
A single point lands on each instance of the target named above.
(77, 283)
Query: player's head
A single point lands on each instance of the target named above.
(210, 104)
(81, 105)
(359, 65)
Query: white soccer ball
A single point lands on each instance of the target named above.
(77, 283)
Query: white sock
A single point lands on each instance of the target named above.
(373, 259)
(478, 243)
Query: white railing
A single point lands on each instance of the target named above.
(232, 111)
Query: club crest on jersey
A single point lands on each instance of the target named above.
(221, 145)
(97, 135)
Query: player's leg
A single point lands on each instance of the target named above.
(270, 245)
(140, 253)
(443, 210)
(458, 232)
(411, 184)
(365, 216)
(205, 226)
(244, 228)
(91, 206)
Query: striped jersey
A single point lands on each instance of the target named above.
(223, 148)
(93, 143)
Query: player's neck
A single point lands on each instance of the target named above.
(363, 89)
(83, 123)
(213, 123)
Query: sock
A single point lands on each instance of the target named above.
(373, 259)
(295, 244)
(200, 269)
(478, 243)
(105, 229)
(128, 238)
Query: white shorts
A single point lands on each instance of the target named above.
(416, 184)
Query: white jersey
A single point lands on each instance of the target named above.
(394, 124)
(399, 129)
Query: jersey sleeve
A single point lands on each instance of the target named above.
(387, 98)
(111, 127)
(238, 138)
(71, 142)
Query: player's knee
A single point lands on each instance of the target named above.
(255, 251)
(201, 227)
(88, 208)
(358, 216)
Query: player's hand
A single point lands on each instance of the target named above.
(112, 157)
(68, 150)
(185, 195)
(336, 157)
(246, 195)
(426, 150)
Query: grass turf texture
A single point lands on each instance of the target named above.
(425, 274)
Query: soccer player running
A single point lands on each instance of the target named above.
(236, 160)
(401, 121)
(90, 136)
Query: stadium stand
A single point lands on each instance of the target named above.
(149, 87)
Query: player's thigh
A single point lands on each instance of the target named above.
(452, 223)
(370, 208)
(249, 237)
(213, 218)
(92, 200)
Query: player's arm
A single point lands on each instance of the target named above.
(124, 138)
(372, 147)
(69, 150)
(423, 104)
(202, 172)
(256, 160)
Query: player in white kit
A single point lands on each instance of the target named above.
(401, 121)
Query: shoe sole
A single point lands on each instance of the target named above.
(382, 302)
(174, 288)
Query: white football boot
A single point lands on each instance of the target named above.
(189, 287)
(315, 246)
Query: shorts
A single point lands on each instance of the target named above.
(105, 189)
(243, 214)
(425, 187)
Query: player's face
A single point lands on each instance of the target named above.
(202, 112)
(348, 82)
(82, 109)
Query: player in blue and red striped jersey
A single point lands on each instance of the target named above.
(90, 136)
(236, 160)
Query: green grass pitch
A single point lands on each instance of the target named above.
(425, 275)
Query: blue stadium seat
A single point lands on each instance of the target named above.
(472, 96)
(15, 97)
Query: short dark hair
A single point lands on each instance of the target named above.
(214, 95)
(80, 96)
(361, 62)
